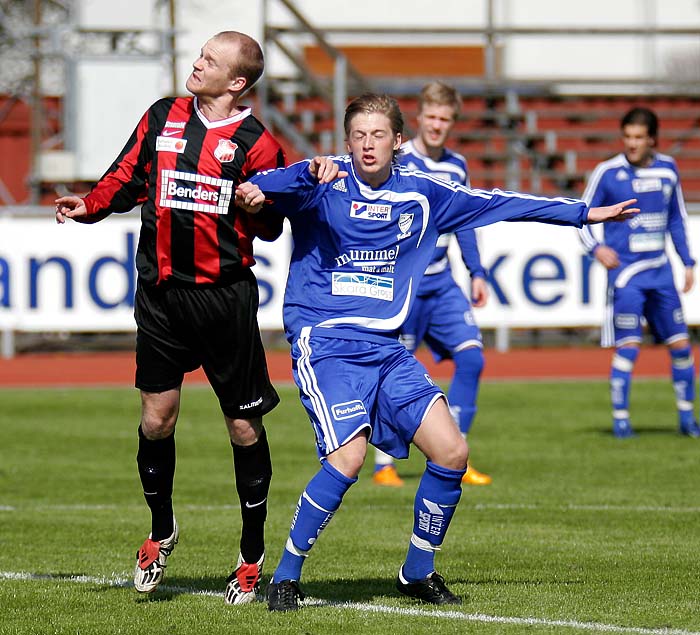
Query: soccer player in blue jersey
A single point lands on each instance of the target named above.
(441, 315)
(361, 244)
(640, 279)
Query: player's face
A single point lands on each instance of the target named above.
(435, 121)
(211, 72)
(639, 146)
(372, 143)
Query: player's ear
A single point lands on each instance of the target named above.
(238, 84)
(397, 141)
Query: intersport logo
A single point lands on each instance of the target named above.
(370, 211)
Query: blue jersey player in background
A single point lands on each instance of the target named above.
(441, 315)
(361, 244)
(640, 279)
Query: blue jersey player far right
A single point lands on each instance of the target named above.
(640, 279)
(364, 231)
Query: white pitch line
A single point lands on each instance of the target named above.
(464, 506)
(121, 581)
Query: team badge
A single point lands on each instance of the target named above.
(225, 150)
(405, 222)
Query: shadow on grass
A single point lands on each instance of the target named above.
(333, 591)
(360, 590)
(668, 431)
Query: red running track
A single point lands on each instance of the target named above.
(107, 369)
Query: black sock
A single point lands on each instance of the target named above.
(253, 469)
(156, 462)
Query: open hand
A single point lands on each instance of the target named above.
(617, 212)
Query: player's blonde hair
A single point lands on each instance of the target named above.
(441, 94)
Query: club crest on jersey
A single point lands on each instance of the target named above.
(405, 222)
(225, 150)
(370, 211)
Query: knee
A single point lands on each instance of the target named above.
(455, 455)
(349, 458)
(244, 431)
(625, 358)
(469, 362)
(158, 425)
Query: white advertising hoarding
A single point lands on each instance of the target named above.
(82, 277)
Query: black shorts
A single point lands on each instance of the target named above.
(180, 329)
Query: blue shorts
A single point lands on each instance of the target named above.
(444, 320)
(652, 297)
(350, 385)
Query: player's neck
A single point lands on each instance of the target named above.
(434, 153)
(218, 108)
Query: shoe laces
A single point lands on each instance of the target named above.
(288, 592)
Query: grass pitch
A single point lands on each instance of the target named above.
(579, 532)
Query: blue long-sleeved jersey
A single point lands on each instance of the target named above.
(451, 167)
(360, 252)
(640, 242)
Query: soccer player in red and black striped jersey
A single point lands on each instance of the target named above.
(197, 298)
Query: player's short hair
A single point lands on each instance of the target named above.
(373, 102)
(249, 63)
(642, 117)
(441, 94)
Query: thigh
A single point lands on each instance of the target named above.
(162, 357)
(664, 313)
(439, 438)
(406, 395)
(628, 309)
(226, 335)
(337, 381)
(452, 326)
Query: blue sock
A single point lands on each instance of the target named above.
(621, 379)
(465, 386)
(436, 499)
(316, 506)
(683, 377)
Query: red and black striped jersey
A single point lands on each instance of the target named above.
(184, 170)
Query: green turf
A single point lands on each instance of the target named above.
(578, 527)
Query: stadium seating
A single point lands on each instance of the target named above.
(545, 144)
